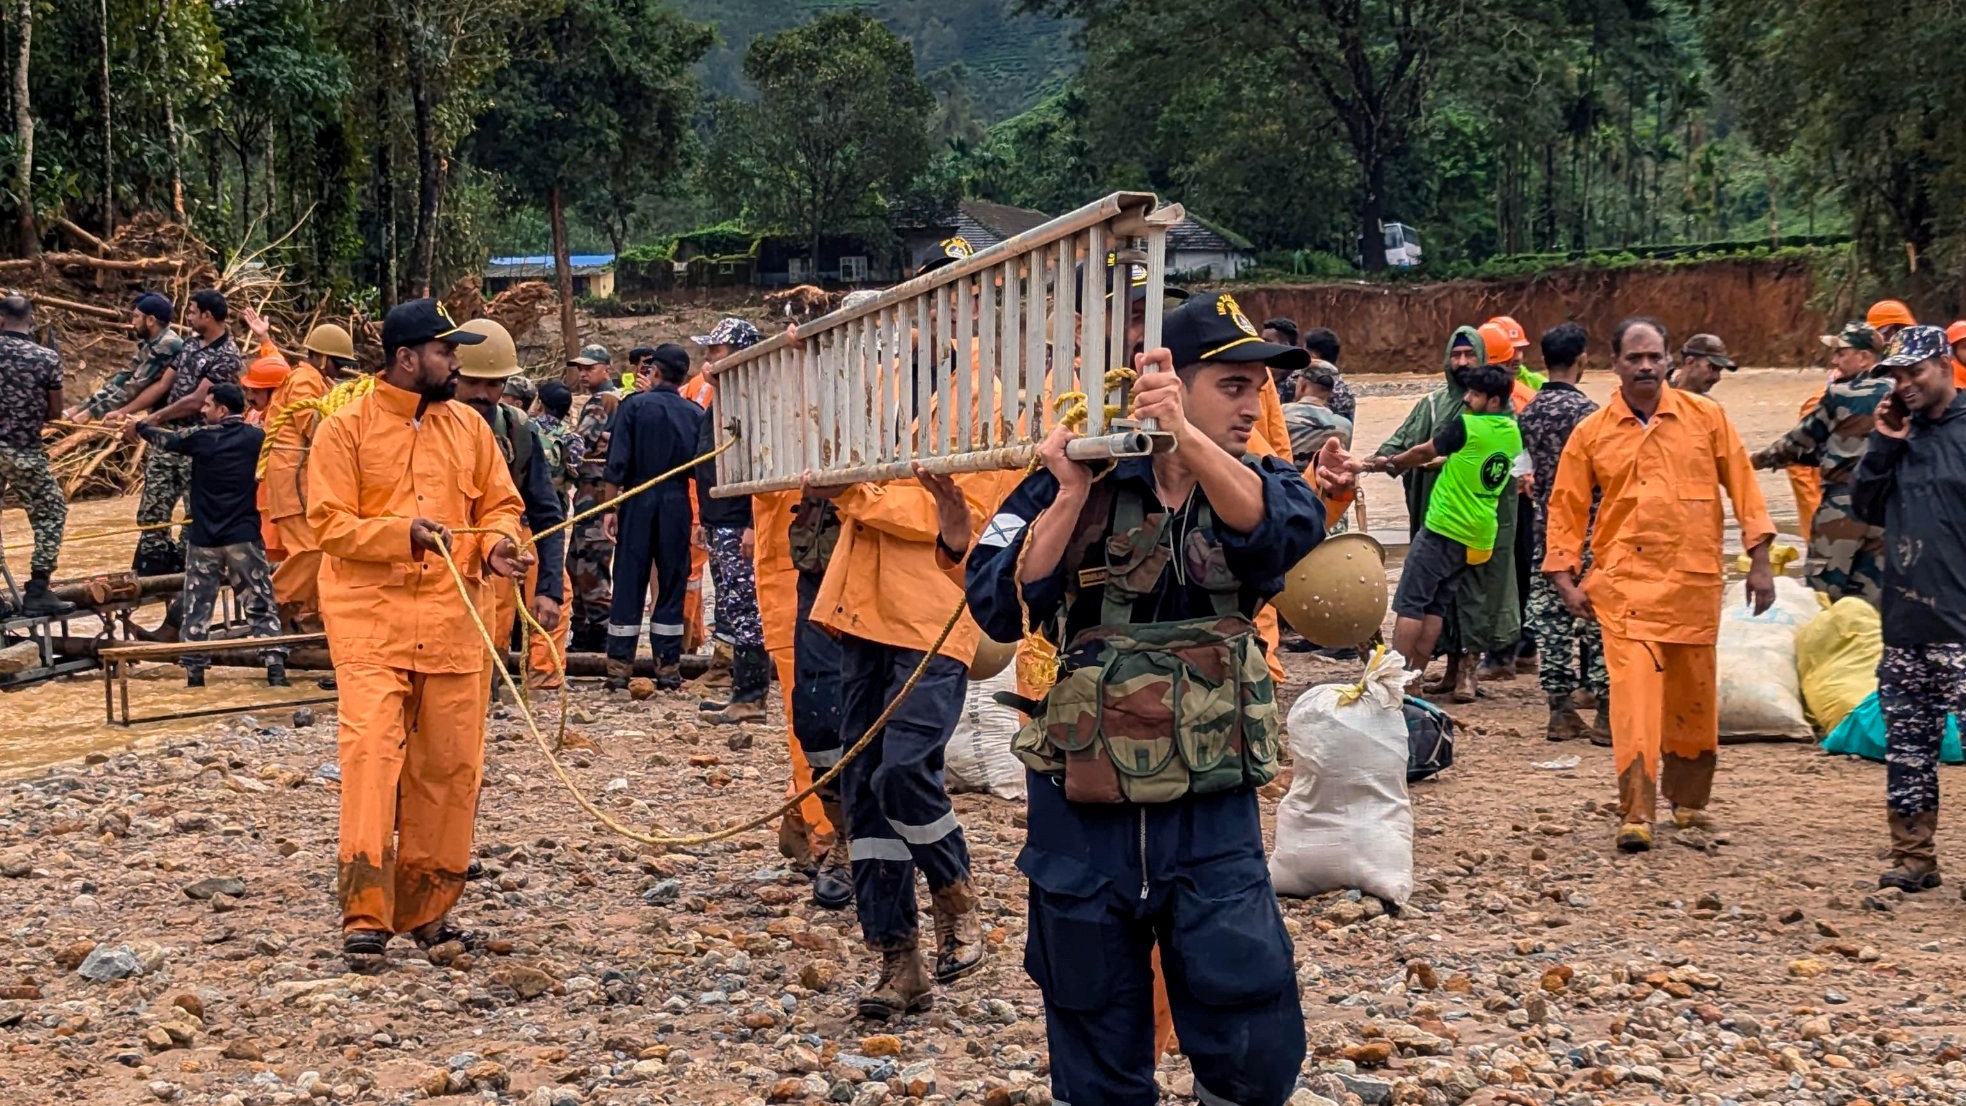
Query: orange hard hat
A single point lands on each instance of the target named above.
(1889, 313)
(1956, 333)
(265, 372)
(1518, 337)
(1497, 347)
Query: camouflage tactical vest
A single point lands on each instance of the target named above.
(1151, 712)
(815, 531)
(515, 438)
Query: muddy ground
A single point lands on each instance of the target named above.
(1750, 962)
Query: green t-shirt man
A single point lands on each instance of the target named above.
(1481, 452)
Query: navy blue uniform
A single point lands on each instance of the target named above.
(1110, 881)
(654, 431)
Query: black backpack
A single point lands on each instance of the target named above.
(1429, 740)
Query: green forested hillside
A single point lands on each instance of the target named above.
(1012, 60)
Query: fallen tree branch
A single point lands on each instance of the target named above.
(110, 313)
(81, 235)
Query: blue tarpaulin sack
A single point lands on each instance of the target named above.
(1861, 734)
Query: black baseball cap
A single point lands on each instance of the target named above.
(1212, 327)
(420, 321)
(1136, 281)
(671, 356)
(640, 353)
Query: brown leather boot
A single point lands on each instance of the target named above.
(1565, 723)
(1914, 858)
(1495, 667)
(903, 987)
(959, 946)
(618, 673)
(1466, 689)
(715, 679)
(1601, 725)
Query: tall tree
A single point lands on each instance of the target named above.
(594, 111)
(841, 118)
(30, 235)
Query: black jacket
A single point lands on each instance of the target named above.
(654, 431)
(733, 513)
(224, 491)
(1916, 490)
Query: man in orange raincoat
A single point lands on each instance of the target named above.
(1660, 456)
(390, 477)
(283, 484)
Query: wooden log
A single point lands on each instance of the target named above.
(139, 265)
(81, 235)
(19, 264)
(111, 313)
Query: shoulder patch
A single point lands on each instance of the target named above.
(1002, 531)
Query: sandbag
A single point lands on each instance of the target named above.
(979, 757)
(1347, 822)
(1429, 740)
(1836, 655)
(1862, 734)
(1760, 693)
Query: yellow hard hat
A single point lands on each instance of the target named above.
(495, 358)
(330, 340)
(1336, 596)
(992, 657)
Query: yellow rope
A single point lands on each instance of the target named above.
(1072, 407)
(580, 798)
(600, 508)
(337, 397)
(69, 539)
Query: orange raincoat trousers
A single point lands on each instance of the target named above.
(1656, 584)
(778, 612)
(407, 654)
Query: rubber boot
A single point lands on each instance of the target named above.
(276, 674)
(1634, 837)
(832, 885)
(167, 630)
(750, 680)
(959, 946)
(1447, 679)
(1497, 667)
(903, 987)
(1914, 858)
(37, 601)
(1565, 723)
(194, 677)
(1601, 724)
(669, 677)
(716, 679)
(1466, 687)
(618, 673)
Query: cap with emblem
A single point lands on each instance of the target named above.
(1854, 336)
(420, 321)
(1136, 282)
(593, 355)
(733, 332)
(950, 251)
(1889, 313)
(1915, 344)
(493, 356)
(1710, 347)
(1212, 327)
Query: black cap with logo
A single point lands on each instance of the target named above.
(420, 321)
(1212, 327)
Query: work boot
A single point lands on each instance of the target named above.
(668, 677)
(365, 950)
(194, 677)
(276, 674)
(1466, 688)
(717, 677)
(167, 630)
(37, 601)
(903, 987)
(795, 841)
(958, 932)
(750, 680)
(1565, 723)
(1914, 858)
(1447, 679)
(1601, 725)
(1685, 817)
(618, 673)
(1634, 837)
(832, 884)
(1496, 667)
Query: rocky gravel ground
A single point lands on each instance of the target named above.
(170, 937)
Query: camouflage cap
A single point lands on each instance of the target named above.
(520, 388)
(733, 332)
(593, 355)
(1855, 336)
(1915, 344)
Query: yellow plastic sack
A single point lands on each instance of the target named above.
(1836, 655)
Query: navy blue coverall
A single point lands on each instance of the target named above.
(654, 431)
(1109, 882)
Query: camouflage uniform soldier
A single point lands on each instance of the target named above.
(1571, 650)
(210, 358)
(158, 347)
(224, 533)
(30, 392)
(1846, 557)
(590, 558)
